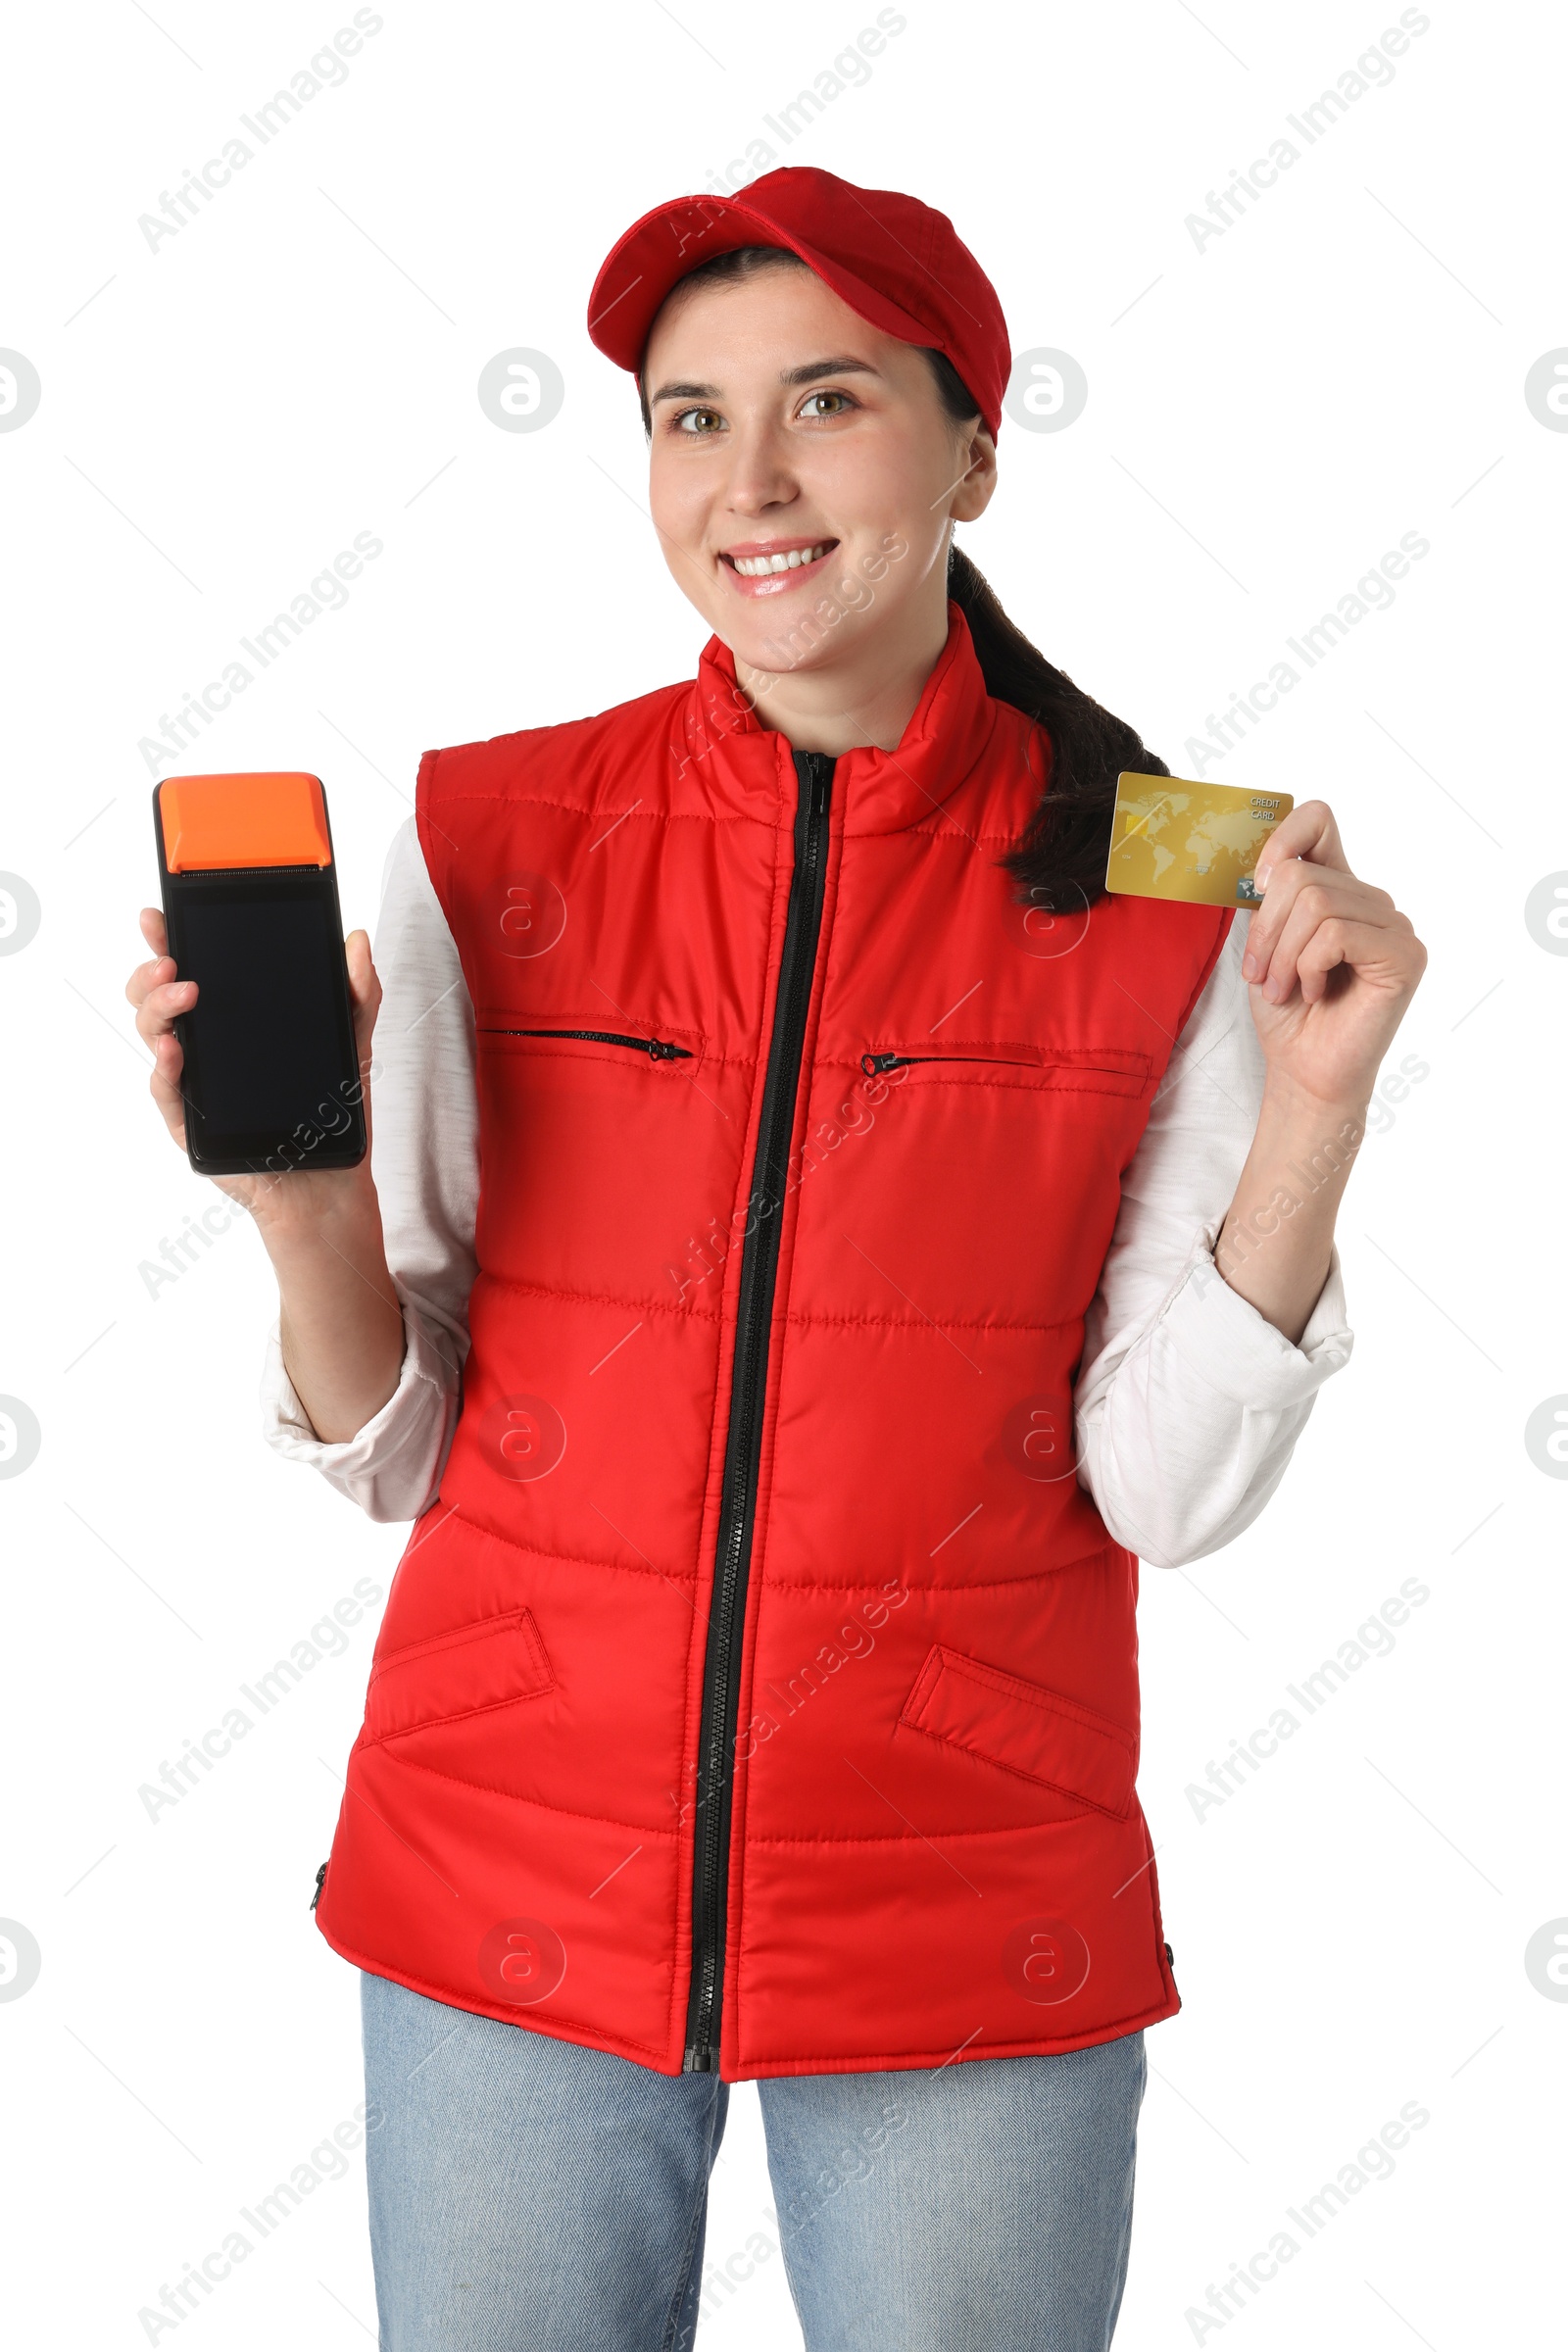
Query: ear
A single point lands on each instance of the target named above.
(973, 492)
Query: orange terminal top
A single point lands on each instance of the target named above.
(212, 821)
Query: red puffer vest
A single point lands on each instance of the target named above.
(762, 1690)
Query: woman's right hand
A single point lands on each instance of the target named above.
(340, 1321)
(301, 1196)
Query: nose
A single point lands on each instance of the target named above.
(761, 479)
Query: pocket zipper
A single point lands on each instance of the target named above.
(873, 1064)
(320, 1878)
(658, 1049)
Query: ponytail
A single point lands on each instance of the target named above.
(1058, 862)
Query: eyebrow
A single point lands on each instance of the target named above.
(790, 378)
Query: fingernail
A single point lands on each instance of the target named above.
(1249, 965)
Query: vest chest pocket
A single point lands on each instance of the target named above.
(466, 1672)
(656, 1049)
(979, 1179)
(596, 1147)
(1024, 1728)
(1096, 1070)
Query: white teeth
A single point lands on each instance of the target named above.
(751, 567)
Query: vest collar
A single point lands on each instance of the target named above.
(750, 766)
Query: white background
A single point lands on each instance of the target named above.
(1266, 415)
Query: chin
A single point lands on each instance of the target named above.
(766, 651)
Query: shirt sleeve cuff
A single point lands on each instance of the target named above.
(286, 1426)
(1239, 1352)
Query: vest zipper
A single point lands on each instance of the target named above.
(320, 1879)
(875, 1063)
(715, 1756)
(658, 1049)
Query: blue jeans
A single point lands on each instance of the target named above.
(530, 2196)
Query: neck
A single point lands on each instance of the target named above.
(865, 697)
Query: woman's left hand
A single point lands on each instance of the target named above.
(1332, 963)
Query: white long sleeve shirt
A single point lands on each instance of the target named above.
(1188, 1403)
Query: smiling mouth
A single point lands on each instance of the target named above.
(777, 562)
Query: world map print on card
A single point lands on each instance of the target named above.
(1172, 837)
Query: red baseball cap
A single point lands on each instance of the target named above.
(896, 261)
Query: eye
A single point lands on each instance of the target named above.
(707, 421)
(846, 402)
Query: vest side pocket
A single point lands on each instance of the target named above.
(466, 1672)
(1023, 1729)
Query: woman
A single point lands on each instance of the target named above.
(860, 1238)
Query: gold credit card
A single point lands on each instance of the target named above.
(1175, 839)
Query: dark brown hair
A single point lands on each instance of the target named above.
(1058, 862)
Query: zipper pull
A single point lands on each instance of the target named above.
(818, 780)
(659, 1049)
(700, 2059)
(873, 1064)
(319, 1877)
